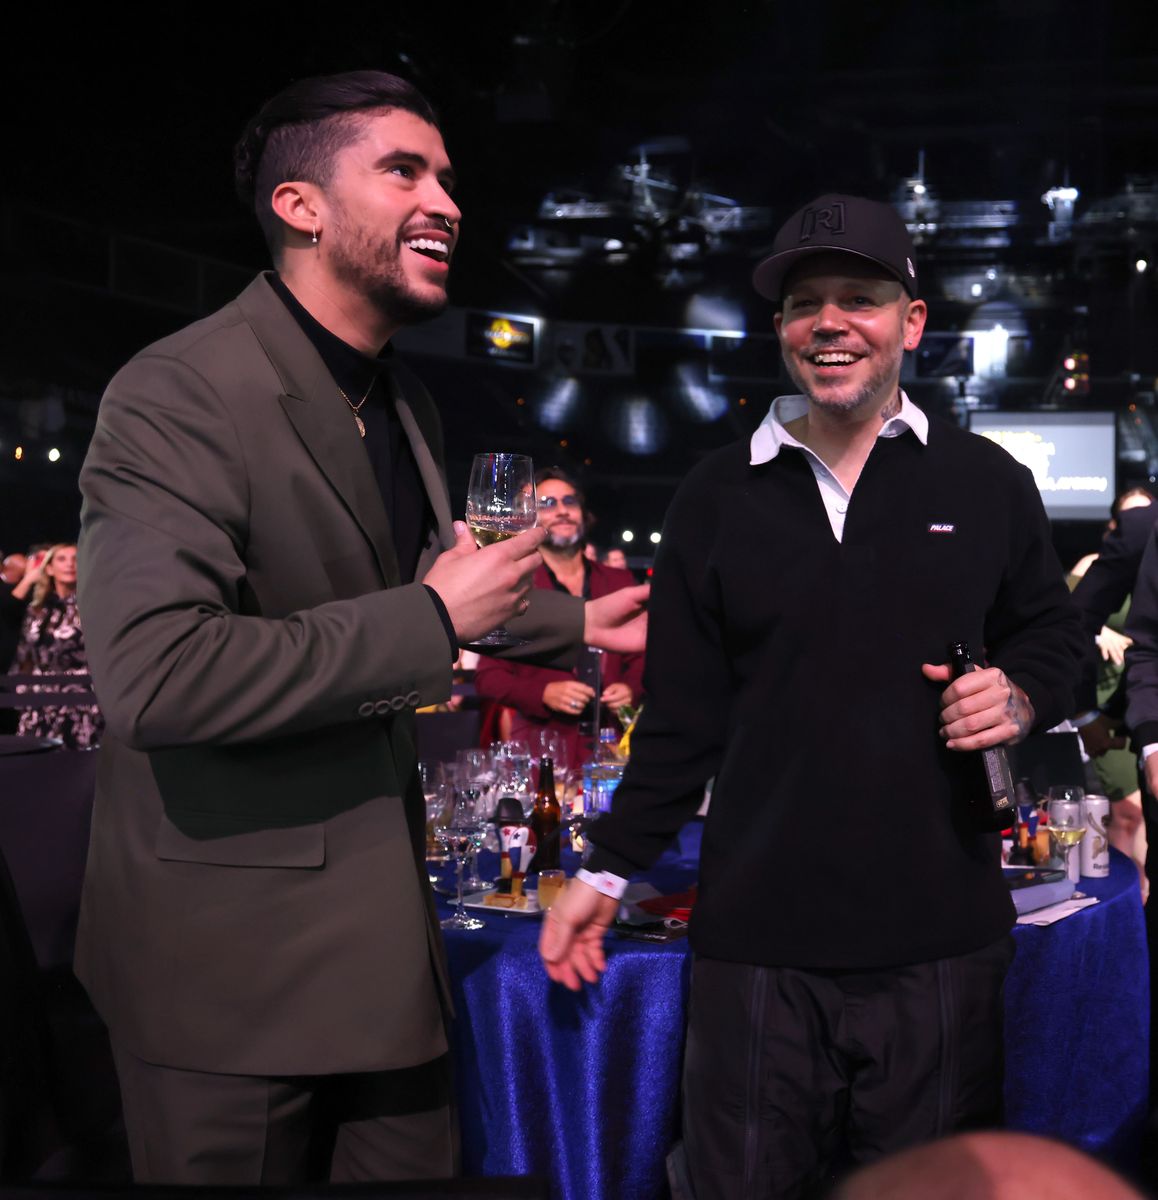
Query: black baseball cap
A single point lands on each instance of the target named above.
(850, 224)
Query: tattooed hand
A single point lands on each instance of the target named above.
(983, 708)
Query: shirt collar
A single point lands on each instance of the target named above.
(771, 433)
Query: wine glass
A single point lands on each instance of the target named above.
(462, 832)
(500, 502)
(479, 800)
(1066, 827)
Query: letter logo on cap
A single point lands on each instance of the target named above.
(830, 218)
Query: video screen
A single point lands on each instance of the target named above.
(1072, 455)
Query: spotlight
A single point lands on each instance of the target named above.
(655, 539)
(1141, 266)
(627, 535)
(54, 455)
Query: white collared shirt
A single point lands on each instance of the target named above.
(772, 434)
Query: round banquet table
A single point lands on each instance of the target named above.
(584, 1088)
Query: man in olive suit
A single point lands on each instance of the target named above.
(271, 585)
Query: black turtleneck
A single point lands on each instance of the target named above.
(391, 458)
(387, 445)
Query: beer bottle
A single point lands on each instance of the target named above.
(995, 808)
(546, 819)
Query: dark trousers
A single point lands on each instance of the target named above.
(193, 1127)
(788, 1071)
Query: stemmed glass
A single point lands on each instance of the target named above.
(500, 502)
(1066, 827)
(478, 798)
(462, 833)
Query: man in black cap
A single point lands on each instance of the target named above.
(851, 933)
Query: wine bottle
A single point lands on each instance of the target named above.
(546, 819)
(994, 809)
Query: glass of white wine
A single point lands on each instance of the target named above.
(500, 502)
(1066, 827)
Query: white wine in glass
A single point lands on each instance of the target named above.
(1066, 827)
(500, 502)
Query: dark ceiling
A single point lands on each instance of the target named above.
(126, 127)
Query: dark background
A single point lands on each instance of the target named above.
(119, 220)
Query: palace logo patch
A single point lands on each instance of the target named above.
(942, 527)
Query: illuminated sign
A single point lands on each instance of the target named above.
(501, 339)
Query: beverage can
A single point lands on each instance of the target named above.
(1095, 846)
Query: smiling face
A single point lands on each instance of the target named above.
(844, 327)
(562, 516)
(384, 214)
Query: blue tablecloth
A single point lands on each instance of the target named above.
(1077, 1022)
(584, 1089)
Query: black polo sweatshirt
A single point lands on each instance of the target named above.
(788, 665)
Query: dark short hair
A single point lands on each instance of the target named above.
(296, 134)
(559, 473)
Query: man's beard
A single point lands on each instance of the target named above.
(373, 269)
(564, 542)
(878, 388)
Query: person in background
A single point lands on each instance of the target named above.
(616, 558)
(808, 584)
(52, 643)
(545, 698)
(1113, 572)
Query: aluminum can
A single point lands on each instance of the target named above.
(1095, 846)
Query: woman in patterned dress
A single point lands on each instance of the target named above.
(52, 643)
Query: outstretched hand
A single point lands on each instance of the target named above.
(618, 621)
(571, 943)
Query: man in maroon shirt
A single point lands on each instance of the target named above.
(544, 698)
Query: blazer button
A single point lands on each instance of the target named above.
(382, 707)
(366, 708)
(398, 703)
(414, 699)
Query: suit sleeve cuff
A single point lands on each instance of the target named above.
(606, 882)
(444, 617)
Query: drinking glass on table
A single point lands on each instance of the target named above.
(551, 883)
(481, 806)
(1066, 827)
(500, 502)
(461, 832)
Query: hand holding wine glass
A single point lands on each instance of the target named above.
(500, 503)
(482, 588)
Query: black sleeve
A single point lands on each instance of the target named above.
(1104, 588)
(1033, 631)
(1142, 656)
(677, 745)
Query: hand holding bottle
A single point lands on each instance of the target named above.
(980, 709)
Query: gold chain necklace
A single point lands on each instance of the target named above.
(356, 408)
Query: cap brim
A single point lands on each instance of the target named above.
(768, 277)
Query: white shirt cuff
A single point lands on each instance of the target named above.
(611, 885)
(1148, 750)
(1086, 718)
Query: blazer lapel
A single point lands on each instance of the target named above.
(321, 419)
(428, 468)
